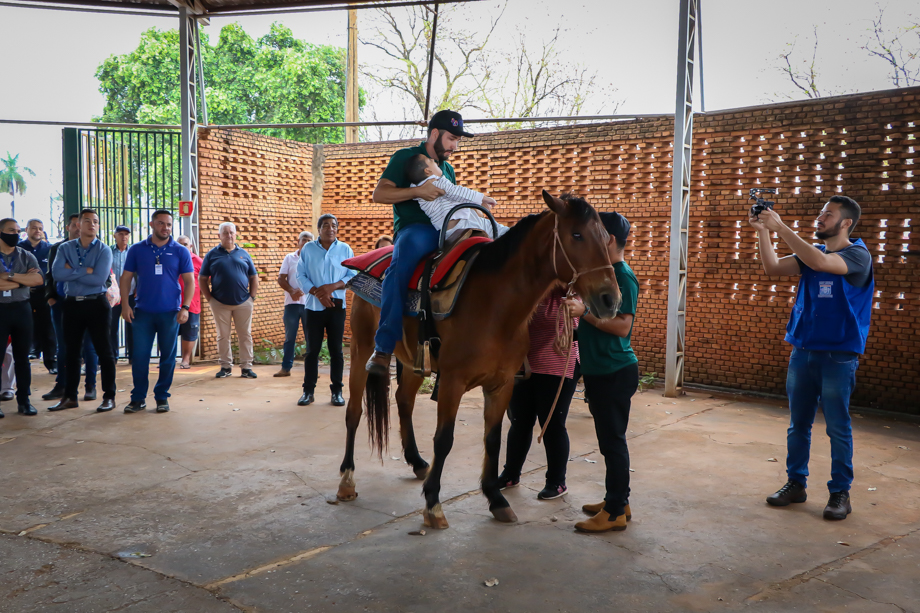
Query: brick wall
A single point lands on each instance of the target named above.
(862, 146)
(262, 185)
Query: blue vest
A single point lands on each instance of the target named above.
(829, 313)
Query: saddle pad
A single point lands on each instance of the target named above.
(375, 263)
(370, 289)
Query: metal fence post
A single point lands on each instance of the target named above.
(188, 35)
(680, 199)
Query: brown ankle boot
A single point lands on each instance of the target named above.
(594, 509)
(602, 523)
(379, 364)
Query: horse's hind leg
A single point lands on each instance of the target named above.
(449, 395)
(406, 392)
(363, 327)
(496, 404)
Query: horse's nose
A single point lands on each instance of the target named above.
(609, 300)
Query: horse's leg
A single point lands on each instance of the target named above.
(496, 403)
(406, 392)
(363, 327)
(449, 394)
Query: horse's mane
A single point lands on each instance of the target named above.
(496, 254)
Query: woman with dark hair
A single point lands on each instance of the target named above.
(385, 240)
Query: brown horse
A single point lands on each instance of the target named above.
(483, 342)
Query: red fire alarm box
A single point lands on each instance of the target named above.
(186, 208)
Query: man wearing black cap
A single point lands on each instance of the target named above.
(122, 235)
(611, 374)
(415, 237)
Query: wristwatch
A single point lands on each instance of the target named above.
(9, 276)
(185, 307)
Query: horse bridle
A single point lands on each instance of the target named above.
(575, 272)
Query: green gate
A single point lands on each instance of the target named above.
(124, 175)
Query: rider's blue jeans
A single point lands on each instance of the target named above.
(412, 244)
(828, 377)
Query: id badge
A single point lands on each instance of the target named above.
(158, 269)
(7, 293)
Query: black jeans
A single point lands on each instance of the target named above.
(116, 321)
(532, 399)
(609, 397)
(93, 315)
(42, 330)
(16, 323)
(331, 323)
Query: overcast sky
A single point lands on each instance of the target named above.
(52, 57)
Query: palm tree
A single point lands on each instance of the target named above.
(11, 182)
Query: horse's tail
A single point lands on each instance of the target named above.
(377, 402)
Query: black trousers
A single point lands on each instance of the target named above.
(116, 321)
(93, 315)
(16, 323)
(609, 398)
(331, 324)
(43, 341)
(532, 399)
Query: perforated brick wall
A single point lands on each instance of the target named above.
(862, 146)
(263, 185)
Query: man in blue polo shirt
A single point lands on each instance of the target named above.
(42, 330)
(229, 282)
(827, 329)
(84, 265)
(158, 264)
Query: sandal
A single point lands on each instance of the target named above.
(184, 366)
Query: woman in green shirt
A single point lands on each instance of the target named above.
(611, 374)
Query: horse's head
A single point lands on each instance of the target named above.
(580, 252)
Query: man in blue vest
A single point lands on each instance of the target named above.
(827, 329)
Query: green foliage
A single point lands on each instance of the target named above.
(11, 180)
(647, 381)
(275, 79)
(266, 352)
(427, 385)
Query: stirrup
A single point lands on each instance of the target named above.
(422, 365)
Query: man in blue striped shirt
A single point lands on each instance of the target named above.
(84, 265)
(322, 277)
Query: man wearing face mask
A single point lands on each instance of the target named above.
(415, 237)
(19, 271)
(827, 329)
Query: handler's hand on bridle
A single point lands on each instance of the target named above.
(575, 306)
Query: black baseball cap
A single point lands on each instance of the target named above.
(616, 225)
(121, 229)
(450, 121)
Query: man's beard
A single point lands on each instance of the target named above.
(439, 149)
(829, 233)
(162, 236)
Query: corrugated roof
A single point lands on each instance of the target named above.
(214, 7)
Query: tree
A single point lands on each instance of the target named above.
(11, 180)
(904, 62)
(469, 74)
(275, 79)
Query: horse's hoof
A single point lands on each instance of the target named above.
(421, 472)
(346, 494)
(434, 518)
(504, 515)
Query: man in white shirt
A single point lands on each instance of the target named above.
(294, 301)
(422, 169)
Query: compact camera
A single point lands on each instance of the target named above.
(760, 205)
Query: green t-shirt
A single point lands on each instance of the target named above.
(602, 353)
(408, 212)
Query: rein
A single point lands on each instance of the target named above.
(566, 335)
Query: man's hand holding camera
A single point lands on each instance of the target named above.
(767, 219)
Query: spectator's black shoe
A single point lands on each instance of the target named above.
(305, 399)
(65, 403)
(223, 373)
(793, 491)
(33, 356)
(504, 481)
(56, 392)
(135, 406)
(2, 415)
(162, 406)
(838, 507)
(52, 370)
(90, 394)
(337, 399)
(7, 396)
(27, 409)
(552, 491)
(107, 405)
(248, 374)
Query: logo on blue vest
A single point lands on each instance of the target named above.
(825, 289)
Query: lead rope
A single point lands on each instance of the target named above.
(566, 335)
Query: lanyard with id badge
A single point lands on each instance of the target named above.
(157, 266)
(8, 268)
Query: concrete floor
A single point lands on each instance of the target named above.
(221, 505)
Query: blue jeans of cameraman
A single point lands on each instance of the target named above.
(827, 377)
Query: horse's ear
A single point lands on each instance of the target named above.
(556, 205)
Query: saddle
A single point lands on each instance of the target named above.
(433, 288)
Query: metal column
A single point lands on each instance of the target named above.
(188, 36)
(680, 198)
